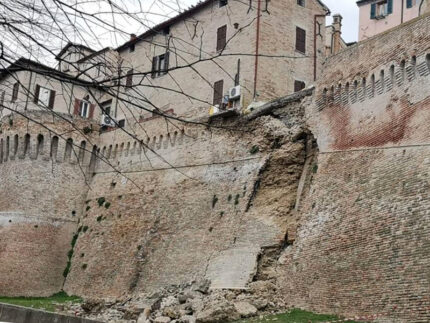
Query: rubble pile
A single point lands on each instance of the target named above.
(190, 303)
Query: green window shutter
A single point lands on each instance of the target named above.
(409, 4)
(390, 7)
(373, 11)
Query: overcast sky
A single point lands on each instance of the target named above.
(349, 11)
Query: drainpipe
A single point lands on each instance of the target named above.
(257, 43)
(315, 44)
(403, 9)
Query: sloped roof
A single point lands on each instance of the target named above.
(24, 64)
(85, 58)
(70, 44)
(181, 16)
(362, 2)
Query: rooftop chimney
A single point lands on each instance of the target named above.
(337, 32)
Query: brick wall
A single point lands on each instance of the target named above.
(40, 203)
(362, 247)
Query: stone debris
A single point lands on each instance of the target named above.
(245, 309)
(189, 303)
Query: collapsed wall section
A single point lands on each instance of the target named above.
(42, 188)
(185, 206)
(363, 246)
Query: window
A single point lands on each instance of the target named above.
(410, 3)
(121, 123)
(300, 40)
(132, 48)
(218, 92)
(301, 3)
(223, 3)
(84, 109)
(381, 9)
(106, 107)
(129, 78)
(221, 39)
(15, 92)
(299, 85)
(160, 65)
(44, 97)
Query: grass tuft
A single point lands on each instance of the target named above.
(101, 201)
(254, 150)
(295, 316)
(42, 303)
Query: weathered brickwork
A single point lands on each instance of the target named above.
(363, 247)
(363, 244)
(40, 203)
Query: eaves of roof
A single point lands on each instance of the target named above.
(83, 59)
(24, 64)
(363, 2)
(63, 50)
(183, 15)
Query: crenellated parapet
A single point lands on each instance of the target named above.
(376, 93)
(394, 75)
(155, 146)
(42, 136)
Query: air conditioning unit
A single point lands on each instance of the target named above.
(234, 93)
(107, 121)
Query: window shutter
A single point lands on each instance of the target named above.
(221, 38)
(154, 66)
(15, 92)
(390, 7)
(218, 89)
(166, 62)
(408, 3)
(51, 99)
(300, 40)
(373, 11)
(91, 114)
(129, 80)
(36, 94)
(76, 107)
